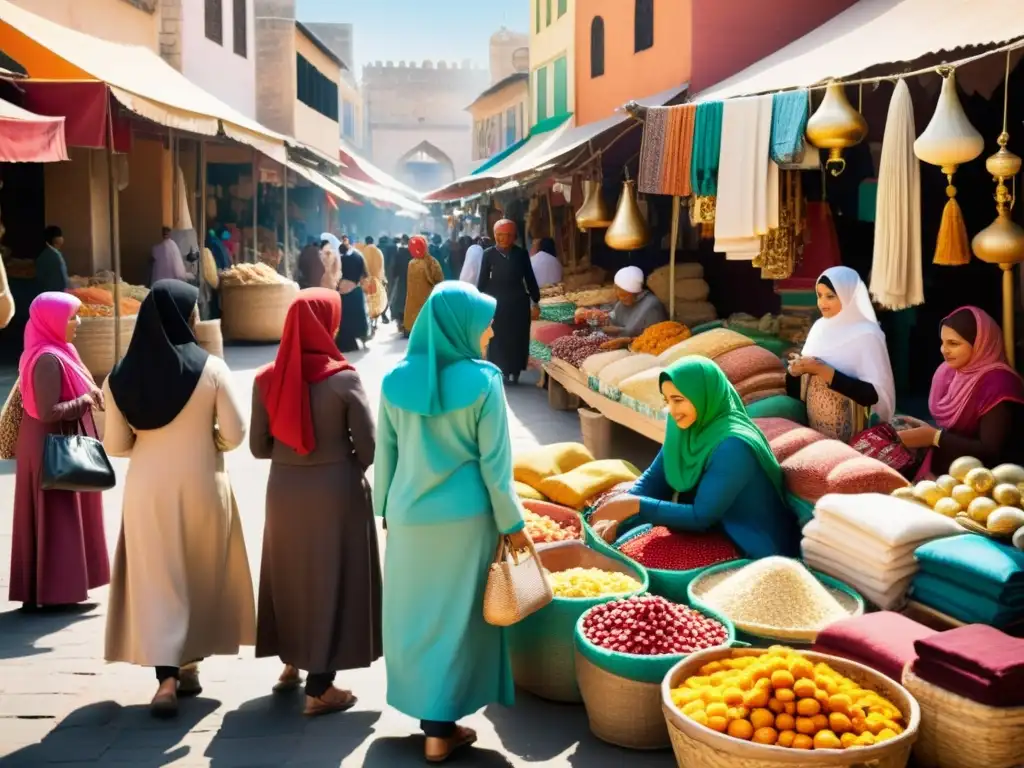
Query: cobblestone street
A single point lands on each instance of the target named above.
(61, 704)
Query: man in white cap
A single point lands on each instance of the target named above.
(637, 308)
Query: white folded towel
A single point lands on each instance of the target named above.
(894, 521)
(890, 599)
(857, 543)
(880, 578)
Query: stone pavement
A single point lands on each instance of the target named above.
(61, 704)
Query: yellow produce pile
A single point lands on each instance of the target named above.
(990, 498)
(543, 530)
(781, 698)
(251, 274)
(591, 582)
(104, 280)
(659, 337)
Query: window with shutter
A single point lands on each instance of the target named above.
(240, 22)
(643, 30)
(563, 8)
(597, 47)
(561, 87)
(215, 21)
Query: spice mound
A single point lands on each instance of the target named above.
(646, 625)
(591, 582)
(543, 530)
(776, 593)
(662, 549)
(251, 274)
(782, 699)
(659, 337)
(578, 346)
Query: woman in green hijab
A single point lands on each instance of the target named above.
(715, 471)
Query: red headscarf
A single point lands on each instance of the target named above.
(307, 355)
(418, 246)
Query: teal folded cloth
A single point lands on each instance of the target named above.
(963, 604)
(789, 122)
(707, 147)
(867, 200)
(976, 563)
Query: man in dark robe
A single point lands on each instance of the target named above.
(507, 275)
(397, 272)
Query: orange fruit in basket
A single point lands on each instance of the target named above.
(805, 725)
(803, 741)
(839, 723)
(786, 739)
(717, 709)
(805, 688)
(776, 706)
(733, 696)
(785, 695)
(765, 735)
(785, 722)
(848, 740)
(782, 678)
(808, 707)
(820, 722)
(741, 729)
(718, 723)
(827, 740)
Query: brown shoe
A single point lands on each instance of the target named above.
(165, 704)
(335, 700)
(438, 750)
(289, 681)
(188, 681)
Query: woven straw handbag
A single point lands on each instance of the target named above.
(10, 422)
(516, 586)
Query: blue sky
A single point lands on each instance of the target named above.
(415, 30)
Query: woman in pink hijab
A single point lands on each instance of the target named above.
(977, 399)
(58, 550)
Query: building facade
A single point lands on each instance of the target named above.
(317, 120)
(133, 22)
(500, 116)
(553, 58)
(340, 38)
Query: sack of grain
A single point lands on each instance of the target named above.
(711, 345)
(593, 297)
(594, 364)
(619, 371)
(693, 313)
(645, 387)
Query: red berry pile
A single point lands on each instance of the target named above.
(647, 625)
(664, 550)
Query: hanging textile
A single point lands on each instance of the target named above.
(896, 280)
(707, 141)
(667, 150)
(748, 181)
(789, 122)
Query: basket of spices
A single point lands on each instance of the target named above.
(775, 598)
(780, 707)
(548, 523)
(254, 302)
(624, 649)
(541, 646)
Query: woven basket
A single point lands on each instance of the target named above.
(960, 733)
(95, 343)
(626, 713)
(697, 746)
(541, 646)
(209, 337)
(255, 312)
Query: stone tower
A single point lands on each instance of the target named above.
(505, 45)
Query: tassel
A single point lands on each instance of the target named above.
(952, 248)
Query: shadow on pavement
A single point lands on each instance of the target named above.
(20, 630)
(400, 752)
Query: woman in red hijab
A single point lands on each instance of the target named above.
(424, 273)
(320, 588)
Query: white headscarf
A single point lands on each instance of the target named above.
(334, 241)
(852, 342)
(471, 267)
(630, 279)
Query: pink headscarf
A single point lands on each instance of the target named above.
(45, 334)
(959, 398)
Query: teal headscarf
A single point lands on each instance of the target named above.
(442, 371)
(720, 415)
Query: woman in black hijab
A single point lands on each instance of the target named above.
(181, 588)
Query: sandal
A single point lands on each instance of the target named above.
(289, 681)
(340, 701)
(438, 750)
(164, 704)
(188, 681)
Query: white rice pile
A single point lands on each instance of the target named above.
(776, 593)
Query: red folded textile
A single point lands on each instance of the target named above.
(1001, 693)
(882, 641)
(979, 649)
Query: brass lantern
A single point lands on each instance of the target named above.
(594, 213)
(628, 231)
(836, 126)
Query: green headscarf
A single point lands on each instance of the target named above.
(720, 415)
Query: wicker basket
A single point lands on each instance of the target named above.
(95, 343)
(541, 645)
(697, 746)
(255, 312)
(960, 733)
(209, 337)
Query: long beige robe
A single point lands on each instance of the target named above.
(181, 588)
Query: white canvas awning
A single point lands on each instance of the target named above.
(317, 179)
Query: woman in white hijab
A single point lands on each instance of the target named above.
(331, 256)
(844, 365)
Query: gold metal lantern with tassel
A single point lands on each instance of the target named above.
(594, 213)
(1002, 241)
(628, 231)
(949, 141)
(836, 126)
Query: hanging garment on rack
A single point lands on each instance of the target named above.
(707, 143)
(789, 122)
(667, 151)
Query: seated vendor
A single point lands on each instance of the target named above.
(715, 471)
(845, 360)
(636, 309)
(977, 398)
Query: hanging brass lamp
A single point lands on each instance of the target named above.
(594, 213)
(836, 126)
(628, 231)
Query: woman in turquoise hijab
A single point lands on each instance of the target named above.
(715, 471)
(443, 484)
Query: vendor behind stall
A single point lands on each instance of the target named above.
(637, 308)
(715, 472)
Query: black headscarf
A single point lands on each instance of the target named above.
(962, 321)
(155, 380)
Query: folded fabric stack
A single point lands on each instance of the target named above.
(868, 541)
(976, 662)
(883, 641)
(973, 579)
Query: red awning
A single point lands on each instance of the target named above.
(29, 138)
(85, 105)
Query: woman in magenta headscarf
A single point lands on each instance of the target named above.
(58, 551)
(977, 398)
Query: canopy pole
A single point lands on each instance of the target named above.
(115, 231)
(287, 233)
(255, 206)
(173, 223)
(203, 223)
(672, 259)
(1008, 313)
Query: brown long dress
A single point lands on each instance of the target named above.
(58, 550)
(424, 274)
(320, 583)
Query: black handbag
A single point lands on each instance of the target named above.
(76, 462)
